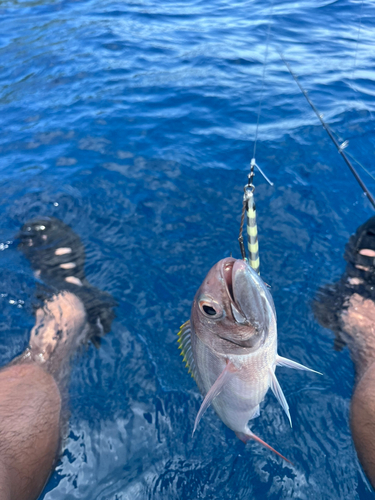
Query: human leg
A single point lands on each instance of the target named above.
(31, 398)
(348, 309)
(33, 387)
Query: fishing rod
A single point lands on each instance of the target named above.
(340, 147)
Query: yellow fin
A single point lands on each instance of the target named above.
(184, 344)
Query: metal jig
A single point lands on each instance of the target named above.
(248, 208)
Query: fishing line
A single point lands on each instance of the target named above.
(356, 48)
(362, 166)
(263, 77)
(248, 203)
(351, 82)
(344, 145)
(340, 147)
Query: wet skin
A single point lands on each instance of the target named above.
(348, 309)
(34, 386)
(359, 326)
(32, 398)
(29, 435)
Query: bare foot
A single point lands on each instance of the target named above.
(347, 307)
(72, 311)
(57, 326)
(60, 328)
(57, 255)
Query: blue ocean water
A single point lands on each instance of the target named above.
(134, 122)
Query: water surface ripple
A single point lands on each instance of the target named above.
(133, 122)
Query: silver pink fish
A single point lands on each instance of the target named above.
(230, 346)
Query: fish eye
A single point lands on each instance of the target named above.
(210, 308)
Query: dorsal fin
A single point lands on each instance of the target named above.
(184, 341)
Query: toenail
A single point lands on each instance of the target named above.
(63, 251)
(68, 265)
(363, 268)
(355, 281)
(367, 252)
(73, 280)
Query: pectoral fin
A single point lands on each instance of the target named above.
(184, 341)
(245, 437)
(280, 361)
(215, 390)
(278, 392)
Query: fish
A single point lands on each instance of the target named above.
(229, 346)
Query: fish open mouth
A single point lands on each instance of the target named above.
(228, 277)
(230, 269)
(236, 288)
(247, 302)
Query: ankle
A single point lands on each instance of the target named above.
(59, 326)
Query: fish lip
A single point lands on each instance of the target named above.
(229, 268)
(243, 343)
(227, 275)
